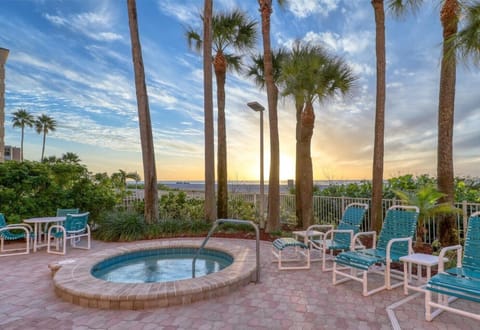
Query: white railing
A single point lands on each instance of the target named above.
(330, 209)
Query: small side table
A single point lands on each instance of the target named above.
(420, 259)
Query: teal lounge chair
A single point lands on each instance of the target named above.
(64, 212)
(394, 242)
(73, 228)
(14, 232)
(462, 281)
(343, 238)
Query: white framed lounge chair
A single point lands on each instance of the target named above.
(394, 242)
(14, 232)
(74, 228)
(300, 250)
(343, 237)
(461, 282)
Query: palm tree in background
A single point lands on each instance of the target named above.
(210, 205)
(310, 74)
(273, 218)
(453, 13)
(71, 158)
(232, 34)
(145, 124)
(22, 118)
(43, 125)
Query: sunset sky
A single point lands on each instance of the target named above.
(72, 60)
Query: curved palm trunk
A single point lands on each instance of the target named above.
(273, 220)
(306, 193)
(210, 212)
(378, 149)
(146, 136)
(446, 106)
(220, 66)
(298, 164)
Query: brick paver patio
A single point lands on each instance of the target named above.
(302, 299)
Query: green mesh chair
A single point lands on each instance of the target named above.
(14, 232)
(343, 238)
(462, 281)
(394, 242)
(73, 228)
(64, 212)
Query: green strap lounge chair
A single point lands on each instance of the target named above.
(394, 242)
(343, 238)
(64, 212)
(462, 281)
(73, 228)
(14, 232)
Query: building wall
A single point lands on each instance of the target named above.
(12, 153)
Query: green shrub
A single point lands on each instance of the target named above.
(120, 226)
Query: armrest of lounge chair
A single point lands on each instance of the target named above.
(397, 240)
(366, 233)
(443, 251)
(345, 231)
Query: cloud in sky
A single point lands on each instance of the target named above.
(72, 61)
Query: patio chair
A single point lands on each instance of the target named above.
(10, 233)
(64, 212)
(462, 281)
(394, 242)
(342, 238)
(73, 228)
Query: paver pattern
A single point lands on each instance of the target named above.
(300, 299)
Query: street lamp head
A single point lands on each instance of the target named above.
(255, 106)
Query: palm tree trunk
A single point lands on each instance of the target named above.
(378, 149)
(146, 136)
(21, 144)
(220, 66)
(298, 164)
(43, 145)
(273, 218)
(308, 122)
(210, 212)
(446, 107)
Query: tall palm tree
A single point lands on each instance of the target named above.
(273, 218)
(43, 125)
(22, 118)
(231, 32)
(146, 135)
(310, 74)
(210, 210)
(466, 42)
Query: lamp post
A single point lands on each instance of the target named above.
(3, 60)
(257, 107)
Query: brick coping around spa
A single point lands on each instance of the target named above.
(74, 283)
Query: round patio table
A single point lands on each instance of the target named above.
(37, 229)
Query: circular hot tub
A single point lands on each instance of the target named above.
(75, 283)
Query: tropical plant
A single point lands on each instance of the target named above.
(145, 124)
(210, 205)
(426, 198)
(273, 218)
(453, 13)
(22, 118)
(310, 74)
(232, 34)
(43, 125)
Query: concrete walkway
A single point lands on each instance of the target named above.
(302, 299)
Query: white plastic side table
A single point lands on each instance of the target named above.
(420, 259)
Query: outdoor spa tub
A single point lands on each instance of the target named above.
(75, 282)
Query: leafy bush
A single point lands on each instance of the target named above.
(120, 226)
